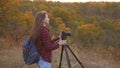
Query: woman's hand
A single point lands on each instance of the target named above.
(62, 42)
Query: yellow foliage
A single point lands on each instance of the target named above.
(60, 25)
(27, 18)
(58, 21)
(89, 30)
(42, 7)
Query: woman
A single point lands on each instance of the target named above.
(41, 37)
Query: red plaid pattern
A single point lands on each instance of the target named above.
(45, 45)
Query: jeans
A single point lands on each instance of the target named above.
(43, 64)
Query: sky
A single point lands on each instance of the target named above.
(85, 0)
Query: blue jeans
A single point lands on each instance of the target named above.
(43, 64)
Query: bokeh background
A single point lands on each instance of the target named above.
(95, 29)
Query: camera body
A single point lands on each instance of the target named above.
(64, 35)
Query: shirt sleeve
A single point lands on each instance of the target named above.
(47, 40)
(55, 39)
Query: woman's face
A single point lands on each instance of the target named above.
(46, 20)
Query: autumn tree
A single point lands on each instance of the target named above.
(8, 15)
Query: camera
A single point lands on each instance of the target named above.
(64, 35)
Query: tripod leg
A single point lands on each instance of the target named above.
(61, 57)
(75, 56)
(67, 56)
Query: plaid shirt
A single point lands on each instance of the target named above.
(45, 45)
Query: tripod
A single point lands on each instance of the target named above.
(64, 47)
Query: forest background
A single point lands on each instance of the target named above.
(95, 26)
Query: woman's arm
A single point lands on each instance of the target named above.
(47, 40)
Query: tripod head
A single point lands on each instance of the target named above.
(65, 34)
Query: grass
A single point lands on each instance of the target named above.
(11, 57)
